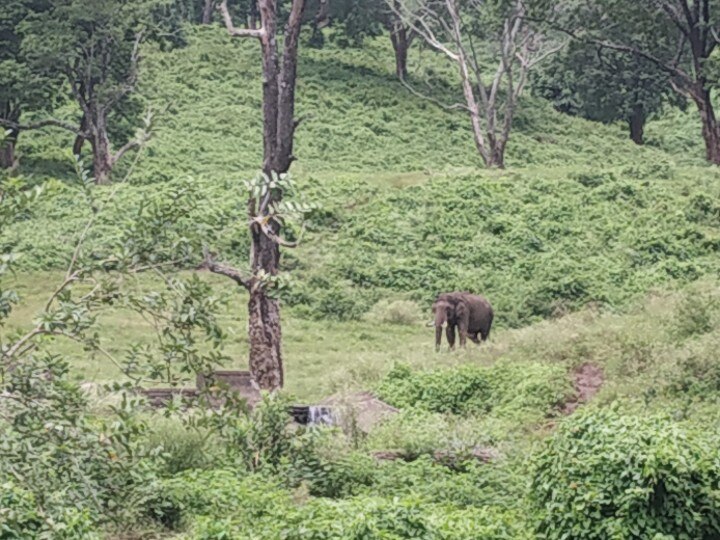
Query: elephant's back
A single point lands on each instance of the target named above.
(481, 311)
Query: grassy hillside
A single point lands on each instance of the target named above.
(581, 215)
(356, 118)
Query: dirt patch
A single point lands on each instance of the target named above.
(362, 409)
(587, 380)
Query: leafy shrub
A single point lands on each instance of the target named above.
(182, 447)
(457, 391)
(697, 314)
(593, 179)
(416, 432)
(476, 485)
(332, 476)
(261, 438)
(362, 518)
(403, 312)
(21, 517)
(703, 208)
(659, 169)
(339, 303)
(504, 388)
(696, 373)
(78, 472)
(605, 475)
(216, 493)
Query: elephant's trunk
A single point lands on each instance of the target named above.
(440, 318)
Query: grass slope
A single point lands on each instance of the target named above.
(581, 215)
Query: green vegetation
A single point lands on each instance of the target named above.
(646, 476)
(593, 251)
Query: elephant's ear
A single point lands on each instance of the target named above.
(461, 309)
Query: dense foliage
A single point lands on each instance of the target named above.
(501, 390)
(606, 475)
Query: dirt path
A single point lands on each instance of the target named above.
(587, 380)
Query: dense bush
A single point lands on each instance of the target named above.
(182, 447)
(219, 504)
(63, 473)
(22, 517)
(475, 485)
(503, 389)
(605, 475)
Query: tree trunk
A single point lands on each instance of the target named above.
(710, 128)
(79, 139)
(400, 42)
(496, 160)
(279, 77)
(208, 11)
(7, 151)
(253, 16)
(264, 330)
(637, 124)
(102, 156)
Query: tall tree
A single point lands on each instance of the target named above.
(279, 68)
(604, 85)
(358, 19)
(95, 47)
(677, 36)
(207, 12)
(457, 29)
(19, 88)
(401, 37)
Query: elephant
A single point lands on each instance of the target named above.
(471, 313)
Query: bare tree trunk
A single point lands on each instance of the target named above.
(278, 133)
(102, 155)
(497, 155)
(9, 140)
(710, 128)
(207, 13)
(279, 77)
(7, 151)
(637, 124)
(401, 44)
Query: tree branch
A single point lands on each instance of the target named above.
(132, 77)
(130, 145)
(210, 264)
(416, 93)
(44, 123)
(238, 32)
(664, 66)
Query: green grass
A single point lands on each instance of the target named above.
(661, 349)
(321, 356)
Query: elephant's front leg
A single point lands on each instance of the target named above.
(463, 337)
(450, 334)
